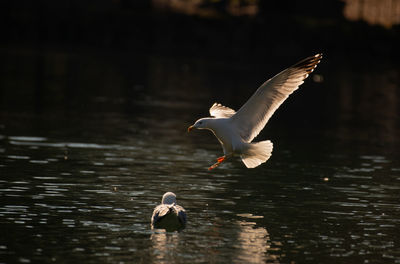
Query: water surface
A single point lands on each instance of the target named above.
(80, 177)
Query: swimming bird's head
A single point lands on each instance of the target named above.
(169, 198)
(202, 123)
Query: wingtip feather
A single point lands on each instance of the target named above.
(308, 64)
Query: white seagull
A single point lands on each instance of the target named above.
(168, 215)
(236, 130)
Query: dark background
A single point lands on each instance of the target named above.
(210, 29)
(73, 57)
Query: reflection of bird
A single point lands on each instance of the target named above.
(236, 130)
(168, 215)
(253, 243)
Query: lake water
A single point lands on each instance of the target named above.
(89, 144)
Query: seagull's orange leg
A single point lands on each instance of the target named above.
(219, 161)
(214, 166)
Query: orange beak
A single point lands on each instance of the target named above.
(190, 128)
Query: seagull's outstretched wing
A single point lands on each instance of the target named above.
(255, 113)
(220, 111)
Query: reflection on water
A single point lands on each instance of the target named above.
(367, 104)
(253, 243)
(163, 247)
(357, 101)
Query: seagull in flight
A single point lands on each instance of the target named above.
(236, 130)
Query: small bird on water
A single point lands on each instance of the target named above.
(168, 215)
(236, 130)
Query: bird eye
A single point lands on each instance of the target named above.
(200, 122)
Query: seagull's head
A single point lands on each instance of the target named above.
(169, 198)
(202, 123)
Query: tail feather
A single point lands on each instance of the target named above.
(257, 153)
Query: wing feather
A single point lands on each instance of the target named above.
(159, 212)
(220, 111)
(255, 113)
(181, 214)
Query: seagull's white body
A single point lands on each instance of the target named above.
(224, 130)
(236, 130)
